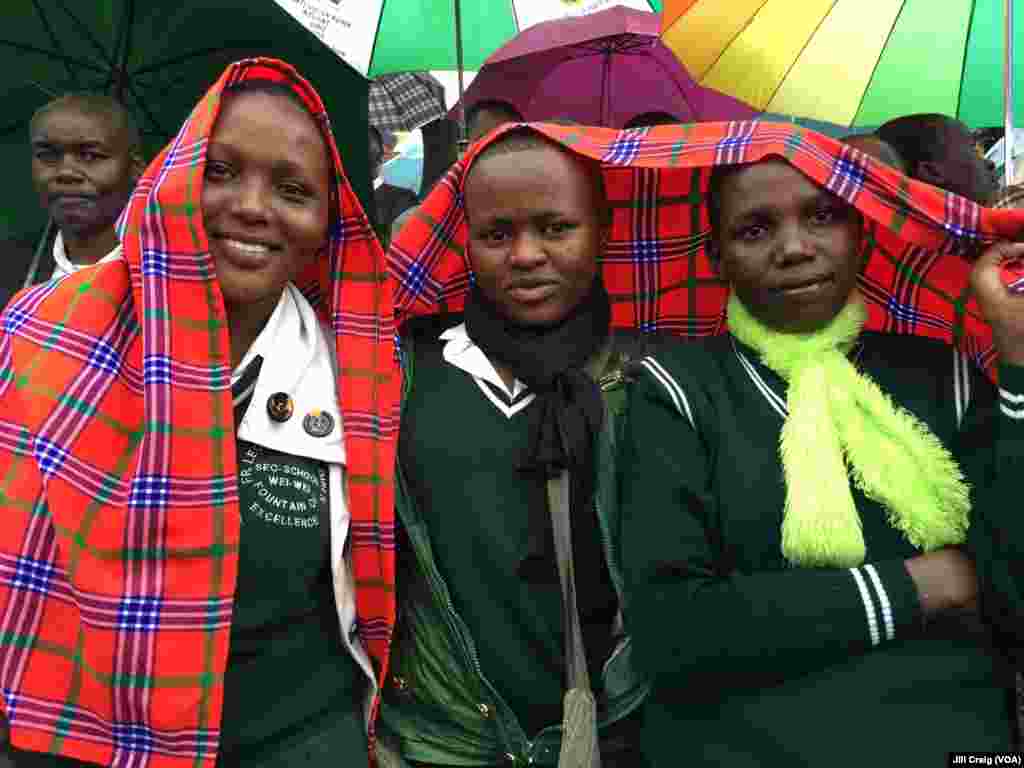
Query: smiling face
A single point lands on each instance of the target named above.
(83, 168)
(265, 197)
(788, 248)
(535, 232)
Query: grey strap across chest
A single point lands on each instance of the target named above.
(579, 737)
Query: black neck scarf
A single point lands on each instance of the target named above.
(569, 412)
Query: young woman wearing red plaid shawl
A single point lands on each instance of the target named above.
(658, 275)
(196, 565)
(830, 513)
(531, 371)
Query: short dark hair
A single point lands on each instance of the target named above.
(99, 105)
(646, 119)
(524, 139)
(492, 105)
(877, 148)
(917, 138)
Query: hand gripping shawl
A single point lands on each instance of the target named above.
(656, 267)
(119, 543)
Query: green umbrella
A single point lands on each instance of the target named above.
(378, 37)
(158, 57)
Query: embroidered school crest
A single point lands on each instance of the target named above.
(280, 490)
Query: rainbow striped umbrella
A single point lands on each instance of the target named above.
(853, 62)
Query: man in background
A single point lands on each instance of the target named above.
(439, 145)
(651, 119)
(870, 144)
(86, 158)
(484, 116)
(940, 151)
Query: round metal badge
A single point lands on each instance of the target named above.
(280, 407)
(318, 423)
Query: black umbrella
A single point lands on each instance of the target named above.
(158, 57)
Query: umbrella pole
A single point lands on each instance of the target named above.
(462, 140)
(1008, 94)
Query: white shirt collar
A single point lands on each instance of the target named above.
(378, 183)
(64, 266)
(464, 354)
(298, 360)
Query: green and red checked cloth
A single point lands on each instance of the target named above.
(656, 267)
(119, 543)
(118, 551)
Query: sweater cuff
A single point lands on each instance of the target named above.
(1011, 393)
(1011, 413)
(892, 608)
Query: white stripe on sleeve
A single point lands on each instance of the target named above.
(1012, 405)
(1010, 397)
(883, 600)
(1012, 413)
(869, 605)
(961, 385)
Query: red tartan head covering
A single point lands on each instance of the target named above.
(118, 553)
(656, 267)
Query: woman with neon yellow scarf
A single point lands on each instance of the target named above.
(820, 525)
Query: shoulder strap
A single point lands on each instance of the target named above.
(579, 736)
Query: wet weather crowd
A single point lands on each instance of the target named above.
(274, 494)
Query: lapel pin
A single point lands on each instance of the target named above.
(280, 407)
(318, 423)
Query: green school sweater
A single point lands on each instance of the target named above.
(758, 663)
(460, 456)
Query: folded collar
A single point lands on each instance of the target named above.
(464, 354)
(298, 362)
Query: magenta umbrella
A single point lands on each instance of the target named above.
(601, 69)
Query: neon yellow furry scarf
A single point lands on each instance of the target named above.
(839, 418)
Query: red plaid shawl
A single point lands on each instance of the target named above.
(655, 266)
(118, 552)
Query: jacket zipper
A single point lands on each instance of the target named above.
(438, 586)
(455, 623)
(460, 630)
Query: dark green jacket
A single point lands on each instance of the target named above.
(438, 705)
(757, 663)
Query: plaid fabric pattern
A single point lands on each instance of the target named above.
(405, 101)
(656, 266)
(118, 553)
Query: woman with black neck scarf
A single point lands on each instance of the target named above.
(508, 409)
